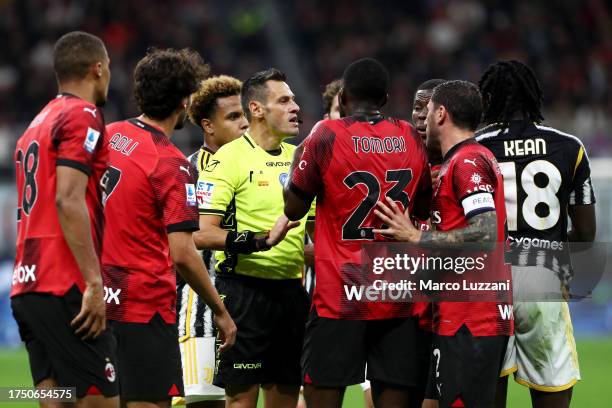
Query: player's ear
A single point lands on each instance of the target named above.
(441, 114)
(326, 116)
(97, 69)
(207, 126)
(256, 108)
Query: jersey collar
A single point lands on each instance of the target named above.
(456, 147)
(146, 126)
(254, 145)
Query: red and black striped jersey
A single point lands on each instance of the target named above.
(470, 183)
(69, 131)
(349, 164)
(149, 193)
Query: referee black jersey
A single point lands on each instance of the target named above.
(544, 170)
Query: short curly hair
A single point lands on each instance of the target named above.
(204, 100)
(331, 90)
(164, 77)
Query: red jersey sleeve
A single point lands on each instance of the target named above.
(311, 161)
(77, 136)
(175, 193)
(474, 182)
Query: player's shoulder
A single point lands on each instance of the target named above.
(75, 108)
(552, 133)
(471, 149)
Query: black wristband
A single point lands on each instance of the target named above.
(243, 242)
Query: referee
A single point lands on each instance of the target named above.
(260, 254)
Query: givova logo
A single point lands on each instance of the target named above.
(247, 366)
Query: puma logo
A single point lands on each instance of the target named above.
(185, 169)
(473, 162)
(92, 111)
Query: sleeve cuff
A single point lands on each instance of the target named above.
(74, 164)
(209, 211)
(183, 226)
(307, 197)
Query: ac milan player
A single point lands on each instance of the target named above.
(151, 212)
(419, 116)
(344, 163)
(422, 96)
(468, 206)
(57, 294)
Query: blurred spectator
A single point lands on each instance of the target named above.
(568, 45)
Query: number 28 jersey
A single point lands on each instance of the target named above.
(349, 164)
(69, 132)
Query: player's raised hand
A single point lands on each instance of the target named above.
(91, 320)
(399, 225)
(280, 229)
(227, 330)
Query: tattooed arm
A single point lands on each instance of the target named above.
(481, 228)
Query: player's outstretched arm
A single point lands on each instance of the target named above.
(481, 228)
(584, 225)
(73, 216)
(192, 269)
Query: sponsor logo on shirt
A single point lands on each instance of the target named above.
(204, 193)
(191, 195)
(111, 295)
(24, 273)
(91, 139)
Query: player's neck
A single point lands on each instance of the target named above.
(81, 89)
(210, 143)
(363, 110)
(264, 136)
(452, 138)
(166, 125)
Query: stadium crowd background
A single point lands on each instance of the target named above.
(569, 45)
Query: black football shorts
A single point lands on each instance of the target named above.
(270, 316)
(336, 352)
(55, 352)
(465, 369)
(149, 360)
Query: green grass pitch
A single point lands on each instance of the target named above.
(594, 391)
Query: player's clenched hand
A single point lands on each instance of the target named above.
(227, 330)
(399, 225)
(280, 229)
(91, 320)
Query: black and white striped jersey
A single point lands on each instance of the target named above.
(545, 171)
(193, 317)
